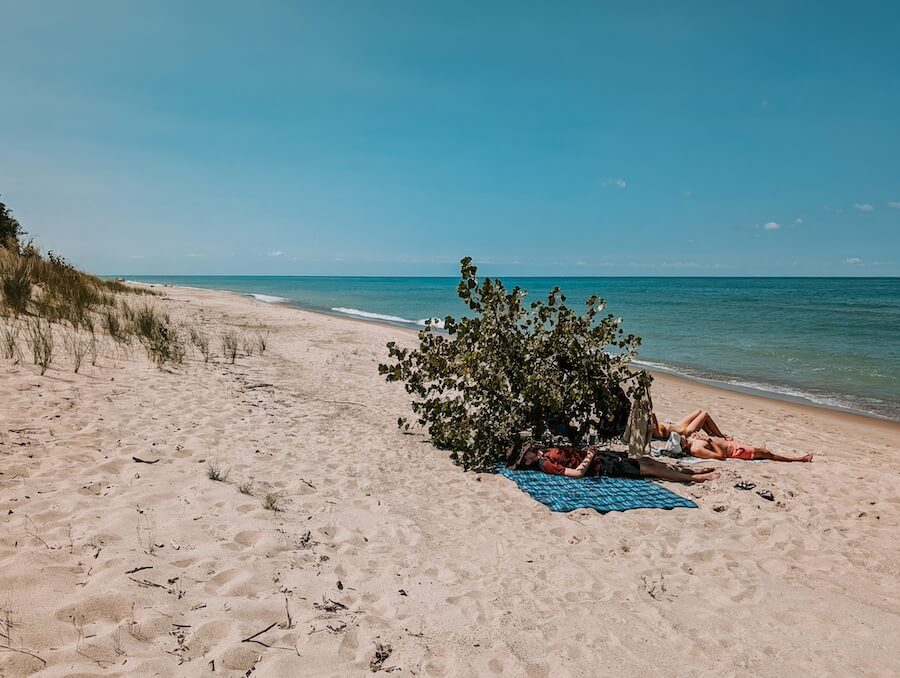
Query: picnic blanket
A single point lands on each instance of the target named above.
(602, 493)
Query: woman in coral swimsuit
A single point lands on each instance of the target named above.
(715, 447)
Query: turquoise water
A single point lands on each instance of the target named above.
(830, 341)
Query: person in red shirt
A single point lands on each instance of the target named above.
(574, 462)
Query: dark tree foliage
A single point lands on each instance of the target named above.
(10, 230)
(542, 369)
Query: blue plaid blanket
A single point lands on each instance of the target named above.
(603, 493)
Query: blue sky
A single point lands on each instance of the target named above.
(576, 138)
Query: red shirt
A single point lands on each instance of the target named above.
(557, 459)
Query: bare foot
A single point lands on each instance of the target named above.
(807, 457)
(698, 470)
(703, 477)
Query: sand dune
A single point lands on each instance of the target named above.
(383, 555)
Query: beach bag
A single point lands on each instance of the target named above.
(640, 426)
(668, 448)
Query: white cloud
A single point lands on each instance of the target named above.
(138, 256)
(615, 183)
(895, 205)
(196, 256)
(853, 261)
(772, 226)
(764, 103)
(863, 207)
(798, 221)
(686, 194)
(276, 253)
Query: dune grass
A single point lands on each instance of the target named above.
(42, 342)
(38, 293)
(15, 283)
(158, 335)
(230, 345)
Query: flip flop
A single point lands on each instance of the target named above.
(744, 485)
(765, 494)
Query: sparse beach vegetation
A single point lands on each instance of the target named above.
(272, 501)
(214, 471)
(201, 341)
(230, 345)
(41, 341)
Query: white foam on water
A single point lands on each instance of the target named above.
(368, 315)
(268, 298)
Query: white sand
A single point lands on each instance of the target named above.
(381, 539)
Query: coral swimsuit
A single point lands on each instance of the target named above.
(739, 451)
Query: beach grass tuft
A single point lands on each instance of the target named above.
(245, 487)
(272, 501)
(201, 340)
(9, 340)
(262, 341)
(215, 472)
(159, 337)
(78, 347)
(15, 283)
(41, 341)
(230, 345)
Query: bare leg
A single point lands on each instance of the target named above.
(681, 426)
(650, 468)
(711, 427)
(764, 453)
(695, 421)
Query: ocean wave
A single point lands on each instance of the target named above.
(268, 298)
(368, 315)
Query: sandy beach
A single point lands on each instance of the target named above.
(121, 557)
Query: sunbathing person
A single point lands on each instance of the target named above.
(716, 447)
(698, 420)
(573, 462)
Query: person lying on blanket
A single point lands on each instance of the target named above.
(574, 462)
(704, 446)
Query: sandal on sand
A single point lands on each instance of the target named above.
(765, 494)
(744, 485)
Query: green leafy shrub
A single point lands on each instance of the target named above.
(510, 369)
(10, 230)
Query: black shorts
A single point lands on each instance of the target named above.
(616, 464)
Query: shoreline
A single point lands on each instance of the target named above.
(656, 370)
(156, 519)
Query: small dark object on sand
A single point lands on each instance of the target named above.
(744, 485)
(765, 494)
(382, 652)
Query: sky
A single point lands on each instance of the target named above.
(394, 138)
